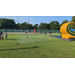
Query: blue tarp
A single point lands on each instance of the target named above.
(72, 29)
(63, 38)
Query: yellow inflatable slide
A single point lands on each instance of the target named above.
(67, 31)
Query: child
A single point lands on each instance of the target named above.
(50, 33)
(6, 36)
(26, 35)
(2, 35)
(45, 32)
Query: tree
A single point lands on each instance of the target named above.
(47, 26)
(7, 23)
(54, 25)
(30, 26)
(43, 26)
(60, 25)
(1, 24)
(18, 25)
(65, 21)
(72, 26)
(36, 26)
(23, 25)
(73, 19)
(50, 26)
(11, 23)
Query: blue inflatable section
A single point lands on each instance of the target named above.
(63, 38)
(72, 29)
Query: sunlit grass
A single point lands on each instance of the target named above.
(36, 46)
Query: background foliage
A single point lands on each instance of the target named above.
(10, 24)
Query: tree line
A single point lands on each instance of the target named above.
(10, 24)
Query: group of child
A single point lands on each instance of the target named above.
(2, 36)
(50, 33)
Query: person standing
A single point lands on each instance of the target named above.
(26, 35)
(0, 35)
(50, 33)
(6, 36)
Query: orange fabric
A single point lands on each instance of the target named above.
(34, 31)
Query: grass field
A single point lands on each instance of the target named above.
(36, 46)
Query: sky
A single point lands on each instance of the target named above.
(38, 19)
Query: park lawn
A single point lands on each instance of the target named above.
(36, 46)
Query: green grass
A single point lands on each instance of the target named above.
(36, 46)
